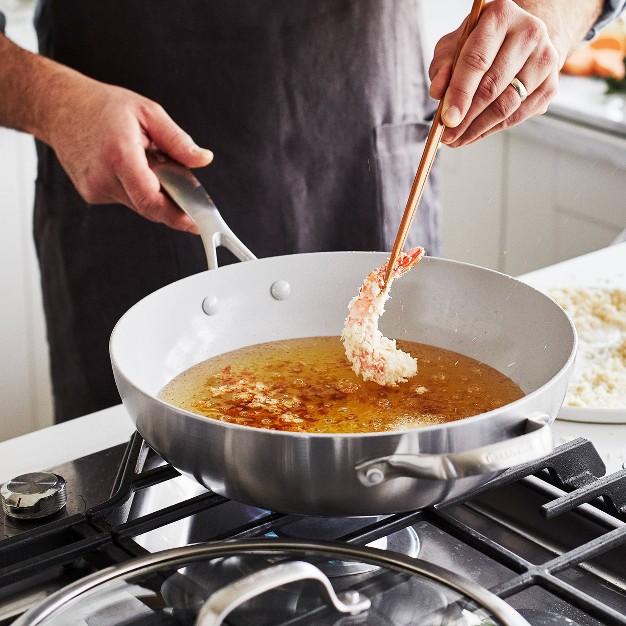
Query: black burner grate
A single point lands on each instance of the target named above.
(576, 517)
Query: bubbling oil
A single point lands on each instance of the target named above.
(307, 385)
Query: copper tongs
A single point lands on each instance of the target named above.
(430, 150)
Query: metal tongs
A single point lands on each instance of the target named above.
(428, 156)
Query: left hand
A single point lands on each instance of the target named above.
(507, 42)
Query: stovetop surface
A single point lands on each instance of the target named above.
(549, 537)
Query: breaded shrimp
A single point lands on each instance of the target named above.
(372, 355)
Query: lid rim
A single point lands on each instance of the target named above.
(178, 557)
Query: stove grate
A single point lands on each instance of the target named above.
(568, 482)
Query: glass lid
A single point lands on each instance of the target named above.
(273, 581)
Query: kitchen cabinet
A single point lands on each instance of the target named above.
(539, 193)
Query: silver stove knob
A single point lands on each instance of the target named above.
(34, 495)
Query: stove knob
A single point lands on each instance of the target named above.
(35, 495)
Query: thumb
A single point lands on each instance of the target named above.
(174, 141)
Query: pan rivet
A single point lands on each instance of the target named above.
(281, 290)
(374, 476)
(210, 305)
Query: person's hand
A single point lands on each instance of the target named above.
(507, 43)
(100, 134)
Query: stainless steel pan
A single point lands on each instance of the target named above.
(474, 311)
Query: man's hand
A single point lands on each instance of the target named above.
(99, 132)
(528, 39)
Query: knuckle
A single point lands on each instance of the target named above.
(488, 88)
(534, 33)
(143, 204)
(504, 107)
(548, 58)
(180, 140)
(151, 108)
(503, 10)
(515, 118)
(444, 46)
(550, 88)
(460, 96)
(475, 61)
(542, 99)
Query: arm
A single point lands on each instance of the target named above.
(527, 39)
(99, 132)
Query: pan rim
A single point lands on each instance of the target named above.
(564, 370)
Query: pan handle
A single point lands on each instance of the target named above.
(222, 602)
(534, 444)
(186, 191)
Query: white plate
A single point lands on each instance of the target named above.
(600, 338)
(591, 415)
(604, 268)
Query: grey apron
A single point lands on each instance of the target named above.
(315, 112)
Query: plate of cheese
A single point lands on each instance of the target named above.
(597, 391)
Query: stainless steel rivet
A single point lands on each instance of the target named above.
(351, 597)
(374, 475)
(281, 290)
(210, 305)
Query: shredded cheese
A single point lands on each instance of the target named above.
(599, 315)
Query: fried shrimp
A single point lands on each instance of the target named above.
(374, 356)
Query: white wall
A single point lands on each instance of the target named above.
(441, 17)
(25, 396)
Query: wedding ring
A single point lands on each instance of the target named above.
(518, 85)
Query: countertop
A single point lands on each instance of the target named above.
(603, 268)
(584, 101)
(58, 444)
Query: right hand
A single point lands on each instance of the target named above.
(508, 42)
(100, 134)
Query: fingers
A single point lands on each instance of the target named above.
(102, 146)
(508, 42)
(535, 104)
(140, 183)
(475, 62)
(172, 140)
(508, 110)
(143, 194)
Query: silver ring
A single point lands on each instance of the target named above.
(518, 85)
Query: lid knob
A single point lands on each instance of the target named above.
(34, 495)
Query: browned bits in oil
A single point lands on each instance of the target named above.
(306, 385)
(345, 385)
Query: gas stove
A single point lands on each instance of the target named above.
(549, 537)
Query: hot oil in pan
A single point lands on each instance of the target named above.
(307, 385)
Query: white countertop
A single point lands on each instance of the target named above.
(58, 444)
(584, 101)
(604, 268)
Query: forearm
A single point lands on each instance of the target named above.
(32, 89)
(567, 21)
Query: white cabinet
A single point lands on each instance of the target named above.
(534, 195)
